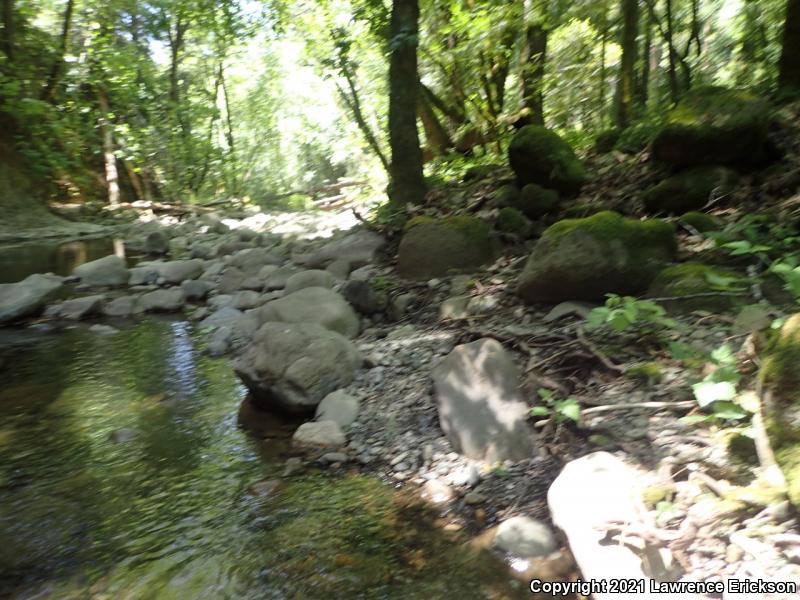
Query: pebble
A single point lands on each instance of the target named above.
(293, 466)
(473, 498)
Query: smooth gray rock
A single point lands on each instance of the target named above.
(590, 493)
(224, 317)
(246, 299)
(277, 279)
(307, 279)
(231, 280)
(168, 300)
(358, 248)
(480, 406)
(178, 271)
(364, 297)
(525, 537)
(109, 271)
(339, 268)
(313, 305)
(338, 406)
(156, 242)
(146, 274)
(319, 434)
(195, 289)
(291, 367)
(124, 306)
(251, 260)
(27, 297)
(78, 308)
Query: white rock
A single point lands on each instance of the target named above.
(525, 537)
(322, 434)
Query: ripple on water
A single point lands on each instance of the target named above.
(124, 474)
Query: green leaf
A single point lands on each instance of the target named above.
(708, 392)
(728, 410)
(724, 355)
(540, 411)
(570, 408)
(694, 419)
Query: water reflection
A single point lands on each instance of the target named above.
(20, 260)
(166, 512)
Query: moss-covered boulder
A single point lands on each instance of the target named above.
(694, 286)
(689, 190)
(536, 201)
(584, 259)
(538, 155)
(510, 220)
(436, 247)
(606, 140)
(713, 125)
(780, 395)
(700, 221)
(506, 195)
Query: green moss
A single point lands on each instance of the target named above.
(507, 195)
(689, 190)
(584, 259)
(639, 135)
(714, 125)
(742, 448)
(609, 225)
(650, 371)
(702, 222)
(510, 220)
(536, 201)
(654, 494)
(435, 247)
(605, 140)
(539, 155)
(418, 220)
(780, 384)
(692, 278)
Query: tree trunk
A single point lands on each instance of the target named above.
(789, 66)
(7, 33)
(353, 103)
(626, 81)
(407, 181)
(176, 40)
(53, 79)
(532, 66)
(643, 83)
(674, 86)
(436, 136)
(602, 83)
(110, 159)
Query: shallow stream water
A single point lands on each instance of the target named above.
(125, 474)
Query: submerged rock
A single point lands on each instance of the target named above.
(480, 407)
(584, 259)
(109, 271)
(435, 247)
(292, 366)
(28, 297)
(538, 155)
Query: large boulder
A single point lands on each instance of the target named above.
(536, 201)
(167, 300)
(584, 259)
(689, 190)
(538, 155)
(780, 388)
(291, 367)
(27, 297)
(359, 248)
(76, 308)
(437, 247)
(694, 286)
(109, 271)
(714, 125)
(313, 305)
(177, 271)
(310, 278)
(480, 406)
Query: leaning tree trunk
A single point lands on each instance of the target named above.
(532, 66)
(626, 81)
(407, 181)
(789, 66)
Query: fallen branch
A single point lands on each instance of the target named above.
(653, 405)
(596, 352)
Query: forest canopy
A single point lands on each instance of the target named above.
(199, 100)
